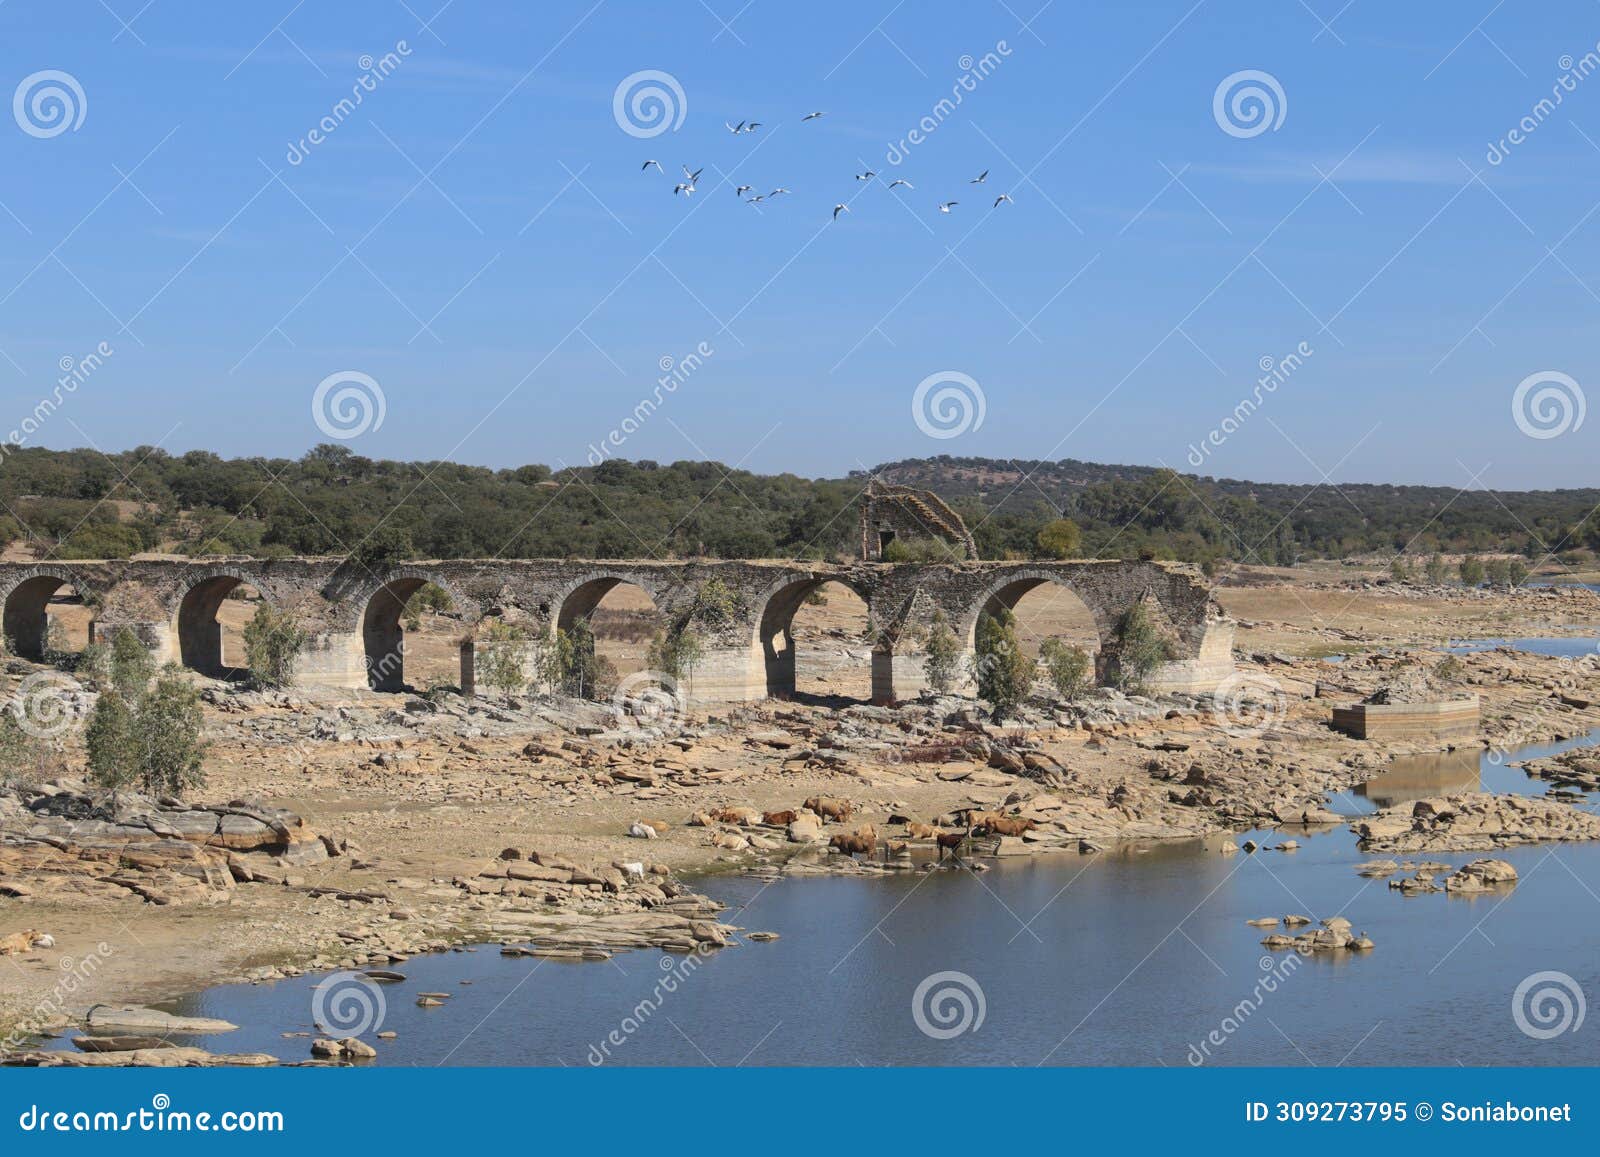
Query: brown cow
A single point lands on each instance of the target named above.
(952, 841)
(780, 819)
(855, 845)
(831, 809)
(1005, 826)
(918, 831)
(866, 831)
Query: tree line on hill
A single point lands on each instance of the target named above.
(78, 504)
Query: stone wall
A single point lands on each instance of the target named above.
(352, 613)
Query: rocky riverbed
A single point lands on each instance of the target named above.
(356, 830)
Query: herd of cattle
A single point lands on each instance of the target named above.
(817, 812)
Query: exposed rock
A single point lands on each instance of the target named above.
(1476, 821)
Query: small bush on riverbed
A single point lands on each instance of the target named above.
(1070, 668)
(148, 736)
(272, 643)
(1004, 674)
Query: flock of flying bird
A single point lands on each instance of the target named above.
(690, 178)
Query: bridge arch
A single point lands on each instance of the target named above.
(1007, 590)
(382, 608)
(579, 598)
(26, 617)
(198, 628)
(774, 626)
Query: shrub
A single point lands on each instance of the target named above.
(1450, 669)
(940, 652)
(1003, 673)
(1400, 570)
(500, 657)
(145, 734)
(675, 653)
(1060, 539)
(1069, 668)
(1436, 570)
(569, 664)
(273, 640)
(1517, 572)
(24, 759)
(1471, 570)
(1140, 648)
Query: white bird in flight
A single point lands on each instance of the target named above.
(866, 176)
(811, 116)
(944, 206)
(756, 200)
(647, 164)
(742, 190)
(901, 181)
(1002, 197)
(840, 208)
(980, 178)
(775, 192)
(683, 188)
(694, 176)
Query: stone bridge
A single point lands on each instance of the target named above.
(356, 637)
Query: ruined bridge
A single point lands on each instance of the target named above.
(356, 639)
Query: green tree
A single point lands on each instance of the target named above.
(426, 598)
(1517, 572)
(940, 654)
(1070, 668)
(1436, 570)
(1060, 539)
(1400, 570)
(167, 728)
(1003, 673)
(1471, 570)
(501, 655)
(1498, 571)
(131, 666)
(1140, 649)
(571, 666)
(145, 733)
(113, 751)
(273, 640)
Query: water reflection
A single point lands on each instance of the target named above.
(1425, 776)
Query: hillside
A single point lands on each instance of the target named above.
(83, 504)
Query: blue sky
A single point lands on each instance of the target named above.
(478, 238)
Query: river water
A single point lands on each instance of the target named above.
(1140, 957)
